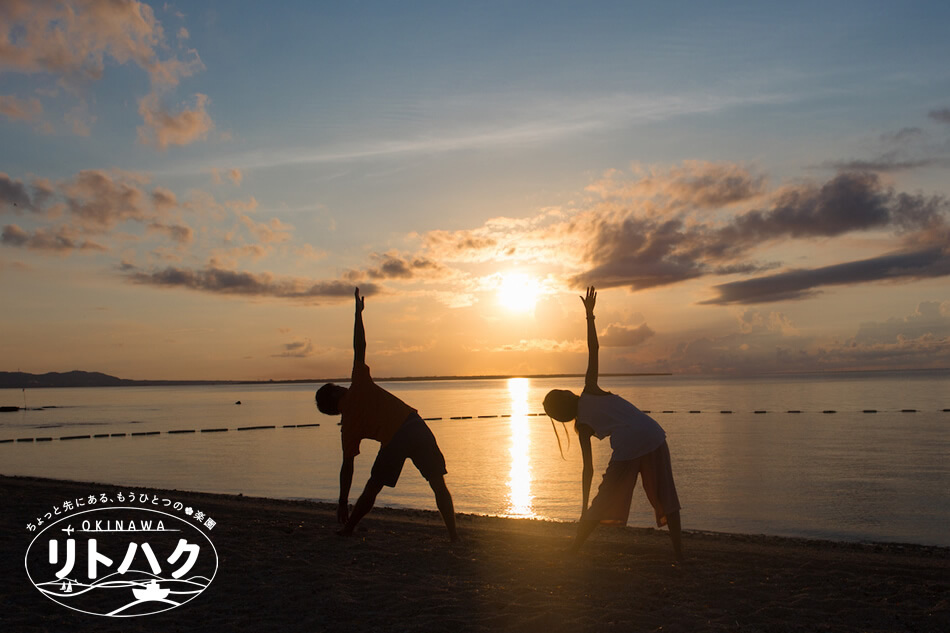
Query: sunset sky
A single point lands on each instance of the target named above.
(192, 190)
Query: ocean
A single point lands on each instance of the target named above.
(848, 456)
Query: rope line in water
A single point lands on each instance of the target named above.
(26, 440)
(148, 433)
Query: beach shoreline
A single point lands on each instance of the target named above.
(282, 567)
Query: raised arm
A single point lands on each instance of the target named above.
(359, 334)
(593, 347)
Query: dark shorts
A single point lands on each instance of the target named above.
(413, 440)
(611, 506)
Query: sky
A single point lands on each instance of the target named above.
(193, 190)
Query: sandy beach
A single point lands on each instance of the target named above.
(283, 568)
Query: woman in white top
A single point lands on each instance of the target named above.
(638, 446)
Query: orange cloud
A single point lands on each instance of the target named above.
(692, 183)
(61, 240)
(101, 200)
(539, 345)
(73, 39)
(163, 128)
(176, 232)
(20, 109)
(235, 175)
(270, 232)
(163, 199)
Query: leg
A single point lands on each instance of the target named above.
(612, 502)
(363, 505)
(585, 527)
(673, 523)
(428, 459)
(443, 499)
(660, 489)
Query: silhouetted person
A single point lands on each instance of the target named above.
(637, 441)
(369, 411)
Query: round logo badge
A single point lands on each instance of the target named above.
(121, 561)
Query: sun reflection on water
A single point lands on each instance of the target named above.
(519, 477)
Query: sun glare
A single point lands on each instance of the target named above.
(520, 499)
(518, 292)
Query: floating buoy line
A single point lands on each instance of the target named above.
(149, 433)
(454, 417)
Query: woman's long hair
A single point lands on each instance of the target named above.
(554, 406)
(558, 436)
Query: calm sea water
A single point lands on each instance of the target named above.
(847, 475)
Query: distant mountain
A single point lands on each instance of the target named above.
(23, 380)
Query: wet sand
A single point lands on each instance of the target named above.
(283, 568)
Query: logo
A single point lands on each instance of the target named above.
(122, 560)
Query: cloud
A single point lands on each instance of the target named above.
(13, 193)
(248, 205)
(229, 257)
(100, 200)
(692, 183)
(903, 135)
(942, 115)
(640, 253)
(798, 284)
(127, 209)
(931, 319)
(665, 228)
(850, 201)
(163, 128)
(241, 283)
(309, 253)
(176, 232)
(97, 201)
(235, 175)
(626, 248)
(393, 266)
(767, 342)
(752, 321)
(619, 335)
(461, 245)
(163, 199)
(539, 345)
(297, 349)
(511, 122)
(61, 240)
(20, 109)
(888, 163)
(272, 232)
(74, 39)
(540, 239)
(904, 150)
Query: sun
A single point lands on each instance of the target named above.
(518, 292)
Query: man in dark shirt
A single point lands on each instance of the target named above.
(369, 411)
